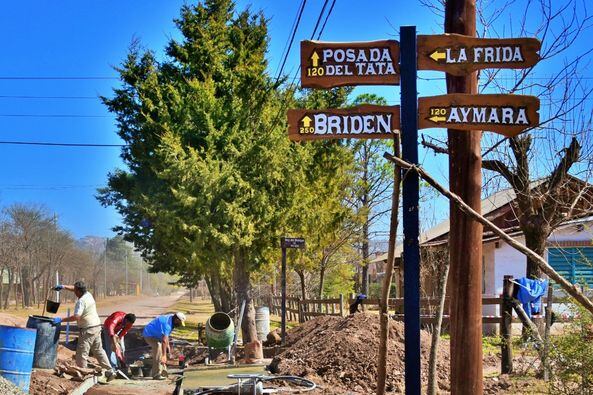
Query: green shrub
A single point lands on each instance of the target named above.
(571, 357)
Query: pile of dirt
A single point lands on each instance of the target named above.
(46, 382)
(11, 320)
(341, 354)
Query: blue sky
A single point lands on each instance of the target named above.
(86, 39)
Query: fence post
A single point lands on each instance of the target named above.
(341, 305)
(546, 361)
(506, 326)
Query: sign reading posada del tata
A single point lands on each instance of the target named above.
(327, 65)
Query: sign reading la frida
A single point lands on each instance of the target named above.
(361, 122)
(327, 65)
(508, 115)
(459, 55)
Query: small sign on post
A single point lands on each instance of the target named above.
(293, 242)
(508, 115)
(362, 122)
(287, 242)
(328, 65)
(460, 55)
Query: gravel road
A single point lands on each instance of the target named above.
(145, 308)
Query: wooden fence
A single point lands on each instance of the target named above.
(301, 310)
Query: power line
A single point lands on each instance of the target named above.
(319, 18)
(326, 19)
(18, 187)
(54, 116)
(46, 97)
(291, 39)
(19, 78)
(60, 144)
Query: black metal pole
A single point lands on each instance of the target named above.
(283, 290)
(410, 197)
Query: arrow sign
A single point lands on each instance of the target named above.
(508, 115)
(328, 65)
(315, 59)
(460, 55)
(361, 122)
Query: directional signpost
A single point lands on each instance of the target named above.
(362, 122)
(287, 242)
(508, 115)
(459, 55)
(328, 65)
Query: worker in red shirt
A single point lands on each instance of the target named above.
(114, 329)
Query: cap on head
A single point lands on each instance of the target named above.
(181, 317)
(80, 286)
(361, 296)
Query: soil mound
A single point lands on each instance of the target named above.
(341, 354)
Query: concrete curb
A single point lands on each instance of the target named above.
(84, 386)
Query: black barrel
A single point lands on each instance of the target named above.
(46, 344)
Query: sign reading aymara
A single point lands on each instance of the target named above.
(508, 115)
(459, 55)
(327, 65)
(362, 122)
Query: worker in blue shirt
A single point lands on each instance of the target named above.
(156, 334)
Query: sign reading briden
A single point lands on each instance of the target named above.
(327, 65)
(459, 55)
(508, 115)
(362, 122)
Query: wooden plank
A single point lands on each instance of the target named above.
(508, 115)
(460, 55)
(332, 64)
(360, 122)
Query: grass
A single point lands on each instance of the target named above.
(200, 310)
(197, 312)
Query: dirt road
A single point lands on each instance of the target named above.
(145, 307)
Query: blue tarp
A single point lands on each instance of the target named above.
(530, 293)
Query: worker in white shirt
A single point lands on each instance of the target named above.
(89, 325)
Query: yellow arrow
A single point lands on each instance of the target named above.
(437, 119)
(436, 56)
(306, 121)
(315, 59)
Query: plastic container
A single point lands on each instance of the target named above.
(17, 348)
(46, 345)
(262, 322)
(51, 306)
(220, 331)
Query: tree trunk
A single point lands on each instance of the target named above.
(301, 274)
(322, 276)
(321, 280)
(2, 284)
(243, 292)
(214, 292)
(436, 333)
(10, 286)
(535, 240)
(365, 257)
(227, 299)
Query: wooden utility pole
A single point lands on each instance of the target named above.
(465, 237)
